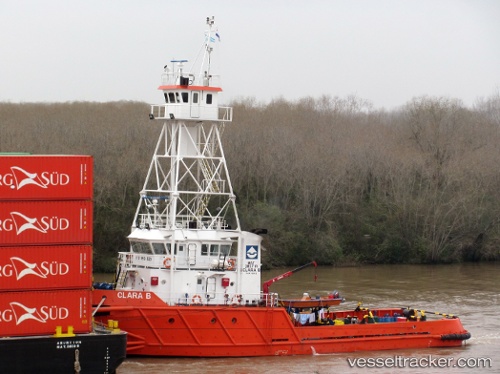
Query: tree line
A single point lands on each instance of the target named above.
(332, 179)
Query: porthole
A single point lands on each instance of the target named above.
(213, 320)
(234, 320)
(171, 320)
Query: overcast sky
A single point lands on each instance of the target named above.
(385, 51)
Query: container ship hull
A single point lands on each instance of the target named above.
(89, 353)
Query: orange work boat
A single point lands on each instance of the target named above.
(190, 284)
(306, 301)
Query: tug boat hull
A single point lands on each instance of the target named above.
(156, 329)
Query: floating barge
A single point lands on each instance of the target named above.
(46, 308)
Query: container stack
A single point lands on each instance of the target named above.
(45, 244)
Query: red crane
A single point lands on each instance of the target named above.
(265, 286)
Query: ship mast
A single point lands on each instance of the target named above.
(209, 39)
(188, 184)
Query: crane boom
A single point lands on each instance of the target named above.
(266, 284)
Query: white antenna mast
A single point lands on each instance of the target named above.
(208, 47)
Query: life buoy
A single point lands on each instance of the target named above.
(167, 262)
(236, 300)
(231, 263)
(196, 299)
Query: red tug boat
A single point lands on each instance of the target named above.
(190, 283)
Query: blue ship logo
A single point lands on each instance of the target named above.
(251, 252)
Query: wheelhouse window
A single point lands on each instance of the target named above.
(225, 249)
(209, 99)
(210, 250)
(141, 247)
(171, 97)
(185, 97)
(195, 97)
(214, 250)
(159, 249)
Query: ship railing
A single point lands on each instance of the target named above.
(148, 221)
(131, 260)
(221, 298)
(225, 113)
(270, 299)
(187, 222)
(191, 112)
(173, 77)
(145, 260)
(149, 260)
(125, 259)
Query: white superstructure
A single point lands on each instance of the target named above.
(186, 243)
